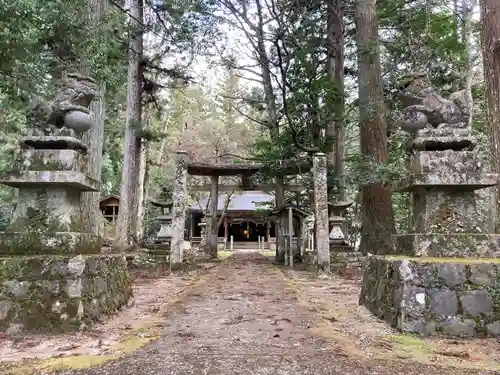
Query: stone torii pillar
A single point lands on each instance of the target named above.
(321, 211)
(213, 221)
(179, 209)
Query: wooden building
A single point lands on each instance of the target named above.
(109, 207)
(247, 219)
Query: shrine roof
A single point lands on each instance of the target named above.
(296, 210)
(240, 201)
(109, 198)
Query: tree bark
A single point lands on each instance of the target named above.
(378, 218)
(129, 193)
(490, 38)
(94, 139)
(335, 129)
(272, 118)
(258, 41)
(139, 209)
(224, 209)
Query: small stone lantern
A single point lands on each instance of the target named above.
(203, 227)
(336, 220)
(165, 221)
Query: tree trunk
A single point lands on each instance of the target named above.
(272, 118)
(129, 193)
(137, 221)
(490, 37)
(139, 209)
(335, 35)
(378, 218)
(94, 139)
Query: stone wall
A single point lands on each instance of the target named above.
(453, 297)
(339, 260)
(61, 293)
(342, 260)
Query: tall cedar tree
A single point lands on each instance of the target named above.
(95, 137)
(378, 217)
(490, 36)
(130, 187)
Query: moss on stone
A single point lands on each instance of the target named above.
(444, 259)
(447, 245)
(31, 242)
(60, 293)
(429, 295)
(50, 160)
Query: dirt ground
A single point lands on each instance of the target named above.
(245, 316)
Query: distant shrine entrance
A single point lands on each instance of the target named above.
(245, 222)
(248, 221)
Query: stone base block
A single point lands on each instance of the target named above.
(50, 160)
(447, 164)
(46, 243)
(36, 179)
(310, 259)
(339, 260)
(346, 260)
(61, 293)
(162, 240)
(341, 248)
(448, 245)
(443, 139)
(158, 253)
(59, 140)
(460, 182)
(429, 296)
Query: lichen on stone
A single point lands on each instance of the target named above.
(440, 297)
(54, 293)
(321, 211)
(179, 208)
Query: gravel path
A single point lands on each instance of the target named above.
(246, 322)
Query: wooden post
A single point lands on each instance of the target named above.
(226, 231)
(290, 234)
(268, 233)
(231, 243)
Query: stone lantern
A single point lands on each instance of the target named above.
(203, 227)
(336, 220)
(165, 221)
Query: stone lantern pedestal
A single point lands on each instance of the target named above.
(160, 251)
(54, 275)
(342, 254)
(442, 276)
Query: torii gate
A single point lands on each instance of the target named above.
(245, 170)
